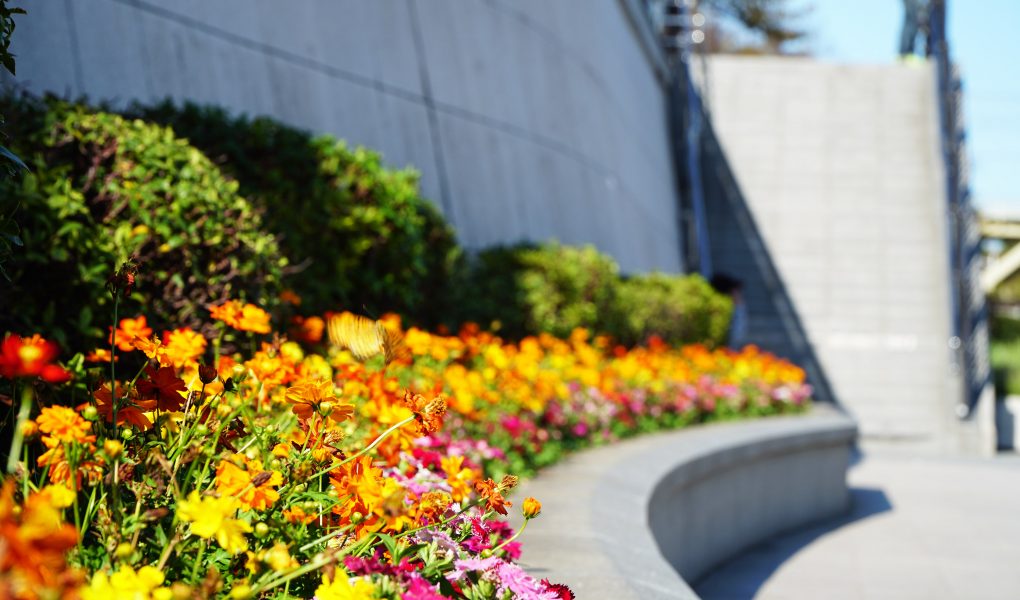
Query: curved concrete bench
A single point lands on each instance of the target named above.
(641, 518)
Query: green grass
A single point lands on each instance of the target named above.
(1005, 354)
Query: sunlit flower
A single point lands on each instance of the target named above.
(245, 479)
(152, 348)
(342, 587)
(308, 397)
(489, 491)
(432, 505)
(247, 317)
(62, 425)
(531, 508)
(128, 330)
(428, 415)
(183, 346)
(126, 583)
(211, 517)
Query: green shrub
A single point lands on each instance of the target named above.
(104, 189)
(550, 288)
(359, 235)
(528, 289)
(679, 309)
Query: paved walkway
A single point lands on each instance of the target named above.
(920, 528)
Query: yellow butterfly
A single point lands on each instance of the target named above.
(365, 338)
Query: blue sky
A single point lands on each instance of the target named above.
(985, 38)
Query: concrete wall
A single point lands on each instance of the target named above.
(644, 518)
(527, 119)
(838, 168)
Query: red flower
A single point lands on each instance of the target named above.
(165, 386)
(564, 592)
(30, 357)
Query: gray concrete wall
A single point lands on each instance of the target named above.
(644, 518)
(527, 119)
(839, 170)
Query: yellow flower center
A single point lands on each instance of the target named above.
(29, 353)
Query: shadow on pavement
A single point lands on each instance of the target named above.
(741, 577)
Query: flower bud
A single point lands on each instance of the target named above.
(124, 551)
(89, 413)
(261, 530)
(29, 429)
(206, 374)
(113, 448)
(126, 434)
(531, 507)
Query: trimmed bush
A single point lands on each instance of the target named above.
(526, 289)
(359, 235)
(104, 189)
(678, 309)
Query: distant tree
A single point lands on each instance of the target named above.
(773, 22)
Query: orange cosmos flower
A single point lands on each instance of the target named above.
(488, 490)
(152, 348)
(309, 396)
(126, 332)
(30, 357)
(308, 330)
(245, 479)
(432, 505)
(60, 424)
(99, 355)
(246, 317)
(36, 542)
(427, 415)
(183, 346)
(290, 297)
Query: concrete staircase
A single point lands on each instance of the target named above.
(825, 195)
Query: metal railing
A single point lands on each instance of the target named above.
(969, 343)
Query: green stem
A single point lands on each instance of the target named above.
(306, 568)
(366, 449)
(113, 361)
(513, 537)
(198, 560)
(19, 434)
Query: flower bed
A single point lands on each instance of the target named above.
(250, 465)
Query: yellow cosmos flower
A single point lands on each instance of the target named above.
(342, 588)
(214, 517)
(127, 583)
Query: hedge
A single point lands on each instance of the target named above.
(104, 189)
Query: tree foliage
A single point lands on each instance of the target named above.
(774, 22)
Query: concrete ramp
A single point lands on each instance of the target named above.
(826, 196)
